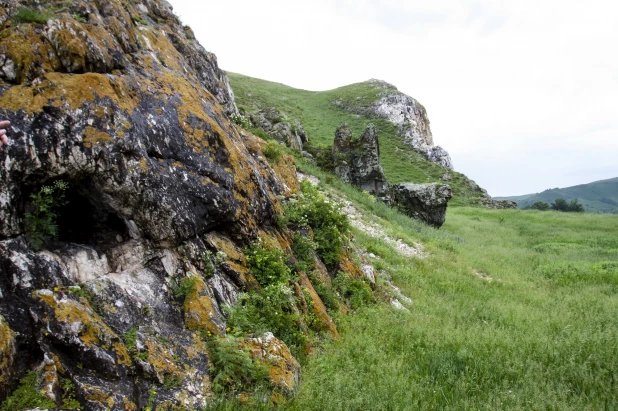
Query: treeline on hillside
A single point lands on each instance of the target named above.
(560, 204)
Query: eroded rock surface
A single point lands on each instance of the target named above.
(411, 118)
(118, 100)
(425, 202)
(357, 162)
(274, 123)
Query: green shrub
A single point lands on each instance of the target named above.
(273, 151)
(271, 309)
(267, 264)
(258, 131)
(130, 339)
(27, 395)
(355, 291)
(328, 296)
(182, 288)
(68, 395)
(303, 248)
(233, 370)
(40, 224)
(30, 15)
(329, 224)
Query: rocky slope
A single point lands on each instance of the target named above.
(122, 148)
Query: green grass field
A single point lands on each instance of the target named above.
(321, 117)
(513, 310)
(539, 332)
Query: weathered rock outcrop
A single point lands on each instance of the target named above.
(272, 121)
(488, 202)
(411, 118)
(425, 202)
(357, 162)
(118, 100)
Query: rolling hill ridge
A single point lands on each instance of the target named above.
(596, 197)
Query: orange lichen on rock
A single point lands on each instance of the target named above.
(286, 169)
(283, 369)
(319, 309)
(199, 310)
(93, 137)
(82, 320)
(7, 353)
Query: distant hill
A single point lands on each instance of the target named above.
(597, 197)
(321, 113)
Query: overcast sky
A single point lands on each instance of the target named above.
(523, 94)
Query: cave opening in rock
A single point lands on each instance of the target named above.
(87, 219)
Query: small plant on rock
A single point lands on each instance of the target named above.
(273, 151)
(30, 15)
(40, 224)
(233, 370)
(27, 395)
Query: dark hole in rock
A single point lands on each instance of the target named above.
(87, 219)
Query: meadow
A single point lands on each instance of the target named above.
(513, 310)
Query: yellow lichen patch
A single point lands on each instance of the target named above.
(319, 309)
(225, 245)
(161, 359)
(73, 90)
(30, 52)
(93, 137)
(283, 369)
(199, 310)
(91, 329)
(129, 405)
(286, 169)
(7, 352)
(94, 394)
(347, 266)
(178, 164)
(196, 350)
(143, 165)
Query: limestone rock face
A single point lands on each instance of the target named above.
(118, 100)
(425, 202)
(411, 118)
(271, 121)
(358, 161)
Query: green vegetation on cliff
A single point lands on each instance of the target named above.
(320, 117)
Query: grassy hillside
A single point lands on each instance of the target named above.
(597, 197)
(321, 117)
(511, 310)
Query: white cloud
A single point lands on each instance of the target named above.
(522, 93)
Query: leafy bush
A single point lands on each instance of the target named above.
(40, 224)
(232, 369)
(27, 395)
(538, 205)
(303, 248)
(273, 151)
(267, 264)
(356, 291)
(329, 224)
(271, 309)
(30, 15)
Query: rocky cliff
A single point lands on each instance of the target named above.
(409, 116)
(128, 201)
